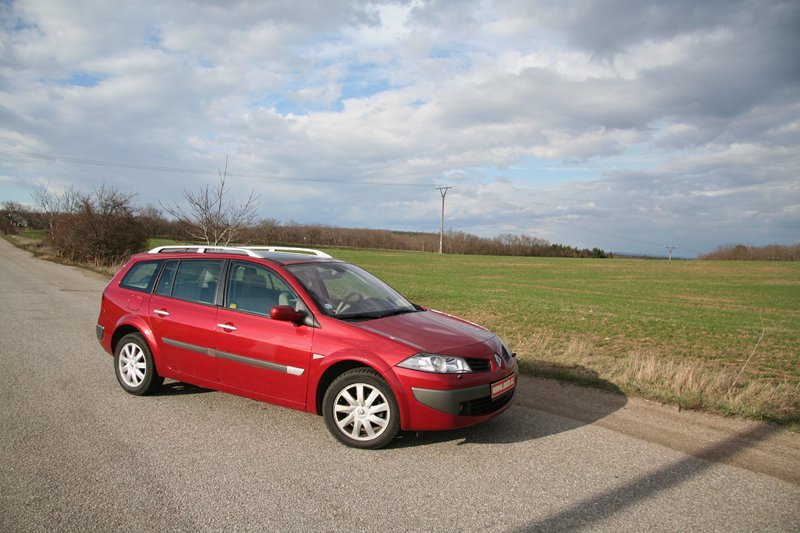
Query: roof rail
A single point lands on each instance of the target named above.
(289, 249)
(251, 251)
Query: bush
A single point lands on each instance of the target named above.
(99, 228)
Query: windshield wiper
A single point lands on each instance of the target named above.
(377, 314)
(394, 312)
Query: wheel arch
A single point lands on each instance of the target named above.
(340, 366)
(120, 332)
(331, 373)
(125, 327)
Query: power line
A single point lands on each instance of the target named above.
(179, 170)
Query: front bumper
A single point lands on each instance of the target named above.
(479, 400)
(471, 401)
(443, 401)
(422, 417)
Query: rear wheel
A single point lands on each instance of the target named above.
(134, 366)
(360, 409)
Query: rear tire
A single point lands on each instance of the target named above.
(134, 366)
(360, 409)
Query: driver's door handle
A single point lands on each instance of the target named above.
(227, 327)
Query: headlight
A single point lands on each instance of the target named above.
(439, 364)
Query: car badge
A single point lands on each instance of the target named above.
(498, 360)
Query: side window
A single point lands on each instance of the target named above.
(141, 276)
(167, 279)
(197, 280)
(256, 289)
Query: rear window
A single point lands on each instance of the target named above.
(141, 276)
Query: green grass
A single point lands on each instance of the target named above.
(32, 234)
(676, 331)
(153, 243)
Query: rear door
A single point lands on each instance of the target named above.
(183, 315)
(254, 352)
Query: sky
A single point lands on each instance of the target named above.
(626, 125)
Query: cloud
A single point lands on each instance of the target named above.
(618, 124)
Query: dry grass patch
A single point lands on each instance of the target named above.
(695, 384)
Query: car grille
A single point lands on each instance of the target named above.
(485, 405)
(479, 365)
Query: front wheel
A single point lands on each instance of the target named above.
(360, 409)
(134, 366)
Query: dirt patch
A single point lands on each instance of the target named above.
(757, 446)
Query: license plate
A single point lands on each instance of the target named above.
(503, 386)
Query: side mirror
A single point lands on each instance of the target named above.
(286, 313)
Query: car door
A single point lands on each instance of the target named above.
(183, 315)
(254, 352)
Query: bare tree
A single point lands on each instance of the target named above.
(210, 217)
(153, 220)
(54, 210)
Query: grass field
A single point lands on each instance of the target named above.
(722, 336)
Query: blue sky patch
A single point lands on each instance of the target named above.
(85, 79)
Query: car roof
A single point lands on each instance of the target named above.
(284, 255)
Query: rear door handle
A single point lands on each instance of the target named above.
(227, 327)
(161, 312)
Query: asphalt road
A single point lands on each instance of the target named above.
(77, 453)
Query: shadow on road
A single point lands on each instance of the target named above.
(536, 399)
(585, 513)
(178, 388)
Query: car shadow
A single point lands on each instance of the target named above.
(531, 416)
(179, 388)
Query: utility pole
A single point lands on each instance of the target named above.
(443, 191)
(670, 247)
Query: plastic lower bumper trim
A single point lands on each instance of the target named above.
(450, 401)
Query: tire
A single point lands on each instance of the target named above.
(134, 366)
(360, 409)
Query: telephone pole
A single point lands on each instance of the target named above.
(670, 247)
(443, 191)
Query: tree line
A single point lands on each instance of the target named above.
(455, 242)
(741, 252)
(105, 226)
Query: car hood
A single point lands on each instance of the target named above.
(428, 331)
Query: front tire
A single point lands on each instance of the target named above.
(134, 366)
(360, 409)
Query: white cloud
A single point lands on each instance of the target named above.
(612, 124)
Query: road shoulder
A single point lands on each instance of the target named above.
(756, 446)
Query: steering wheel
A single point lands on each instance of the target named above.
(344, 304)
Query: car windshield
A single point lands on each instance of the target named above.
(348, 292)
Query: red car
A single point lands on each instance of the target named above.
(298, 328)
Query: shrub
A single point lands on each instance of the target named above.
(100, 227)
